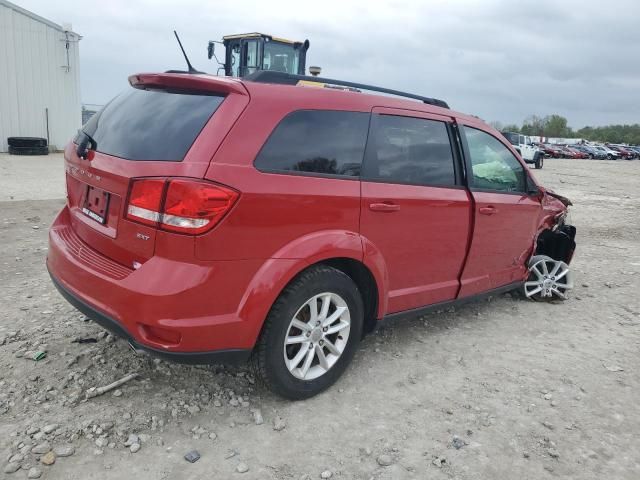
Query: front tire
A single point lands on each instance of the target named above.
(311, 334)
(539, 161)
(548, 279)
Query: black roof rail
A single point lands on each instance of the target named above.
(269, 76)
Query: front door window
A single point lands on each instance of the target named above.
(493, 165)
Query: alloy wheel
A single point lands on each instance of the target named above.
(317, 336)
(548, 278)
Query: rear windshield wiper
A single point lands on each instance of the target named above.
(86, 145)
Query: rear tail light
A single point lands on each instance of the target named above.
(179, 205)
(145, 201)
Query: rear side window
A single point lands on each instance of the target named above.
(317, 142)
(409, 150)
(151, 125)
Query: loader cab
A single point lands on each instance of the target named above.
(248, 53)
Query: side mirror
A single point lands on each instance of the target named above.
(211, 49)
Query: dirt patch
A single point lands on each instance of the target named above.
(31, 178)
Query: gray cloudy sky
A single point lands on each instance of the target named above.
(500, 60)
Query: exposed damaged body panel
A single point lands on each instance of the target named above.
(565, 201)
(555, 238)
(550, 277)
(558, 244)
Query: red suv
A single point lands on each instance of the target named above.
(278, 218)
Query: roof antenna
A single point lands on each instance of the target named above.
(191, 69)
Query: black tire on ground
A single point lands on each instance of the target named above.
(27, 142)
(28, 150)
(268, 357)
(539, 160)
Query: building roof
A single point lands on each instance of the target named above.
(38, 18)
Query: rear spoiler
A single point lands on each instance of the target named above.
(187, 82)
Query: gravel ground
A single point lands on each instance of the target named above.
(31, 178)
(498, 389)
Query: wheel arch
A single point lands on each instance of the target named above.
(558, 244)
(343, 250)
(366, 283)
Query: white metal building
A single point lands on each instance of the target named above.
(39, 78)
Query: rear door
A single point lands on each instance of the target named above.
(166, 130)
(505, 216)
(414, 209)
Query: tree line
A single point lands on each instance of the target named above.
(557, 126)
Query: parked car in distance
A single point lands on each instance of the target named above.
(578, 153)
(566, 152)
(523, 144)
(551, 150)
(594, 152)
(582, 150)
(222, 220)
(588, 151)
(611, 154)
(598, 154)
(636, 148)
(624, 152)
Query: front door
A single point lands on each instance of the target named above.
(415, 213)
(505, 216)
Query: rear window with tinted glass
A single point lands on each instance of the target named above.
(151, 125)
(316, 142)
(409, 150)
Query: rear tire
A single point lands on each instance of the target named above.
(281, 342)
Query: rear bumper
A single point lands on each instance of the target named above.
(188, 311)
(233, 356)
